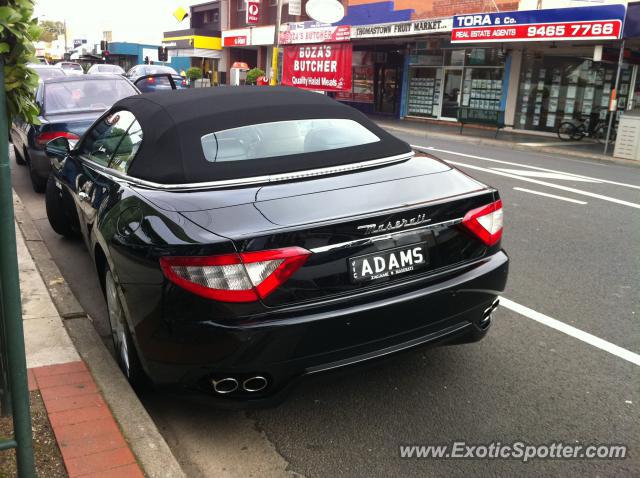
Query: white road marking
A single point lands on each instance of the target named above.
(562, 198)
(571, 331)
(545, 175)
(557, 143)
(550, 185)
(431, 148)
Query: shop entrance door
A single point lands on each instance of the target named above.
(451, 93)
(387, 89)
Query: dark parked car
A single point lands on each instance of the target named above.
(158, 78)
(247, 237)
(68, 105)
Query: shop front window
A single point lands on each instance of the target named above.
(482, 88)
(424, 92)
(635, 105)
(557, 89)
(442, 81)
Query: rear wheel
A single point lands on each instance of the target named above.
(126, 355)
(18, 155)
(56, 213)
(566, 131)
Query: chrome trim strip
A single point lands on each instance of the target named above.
(273, 178)
(369, 240)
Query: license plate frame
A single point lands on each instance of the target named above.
(359, 272)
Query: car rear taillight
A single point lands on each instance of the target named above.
(244, 277)
(46, 136)
(151, 79)
(485, 222)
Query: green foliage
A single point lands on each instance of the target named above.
(253, 75)
(194, 73)
(17, 32)
(50, 30)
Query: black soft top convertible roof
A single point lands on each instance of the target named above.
(173, 123)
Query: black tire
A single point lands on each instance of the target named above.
(38, 183)
(566, 131)
(19, 156)
(56, 212)
(125, 349)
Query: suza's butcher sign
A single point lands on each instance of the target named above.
(325, 67)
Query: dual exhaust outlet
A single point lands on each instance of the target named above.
(227, 385)
(486, 315)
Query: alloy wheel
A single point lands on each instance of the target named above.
(118, 324)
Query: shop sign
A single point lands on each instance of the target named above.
(240, 40)
(253, 12)
(603, 22)
(295, 8)
(323, 67)
(417, 27)
(317, 33)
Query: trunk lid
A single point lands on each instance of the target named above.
(345, 221)
(76, 123)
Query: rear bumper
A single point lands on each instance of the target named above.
(296, 342)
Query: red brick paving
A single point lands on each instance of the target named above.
(91, 443)
(33, 386)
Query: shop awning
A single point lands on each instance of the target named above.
(196, 53)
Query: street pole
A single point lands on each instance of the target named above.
(65, 35)
(615, 88)
(276, 44)
(11, 312)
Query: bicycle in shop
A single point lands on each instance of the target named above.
(584, 126)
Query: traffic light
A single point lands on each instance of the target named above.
(163, 53)
(104, 45)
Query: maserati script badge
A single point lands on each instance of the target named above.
(393, 226)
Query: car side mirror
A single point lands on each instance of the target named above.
(58, 148)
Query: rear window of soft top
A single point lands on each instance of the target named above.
(284, 138)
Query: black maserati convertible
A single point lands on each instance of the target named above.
(246, 237)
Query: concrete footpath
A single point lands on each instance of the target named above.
(100, 426)
(510, 139)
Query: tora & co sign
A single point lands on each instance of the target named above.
(601, 22)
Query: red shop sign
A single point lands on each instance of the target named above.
(253, 12)
(235, 41)
(324, 67)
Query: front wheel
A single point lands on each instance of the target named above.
(566, 131)
(126, 355)
(600, 134)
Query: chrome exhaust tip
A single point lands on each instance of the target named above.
(487, 314)
(254, 384)
(225, 385)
